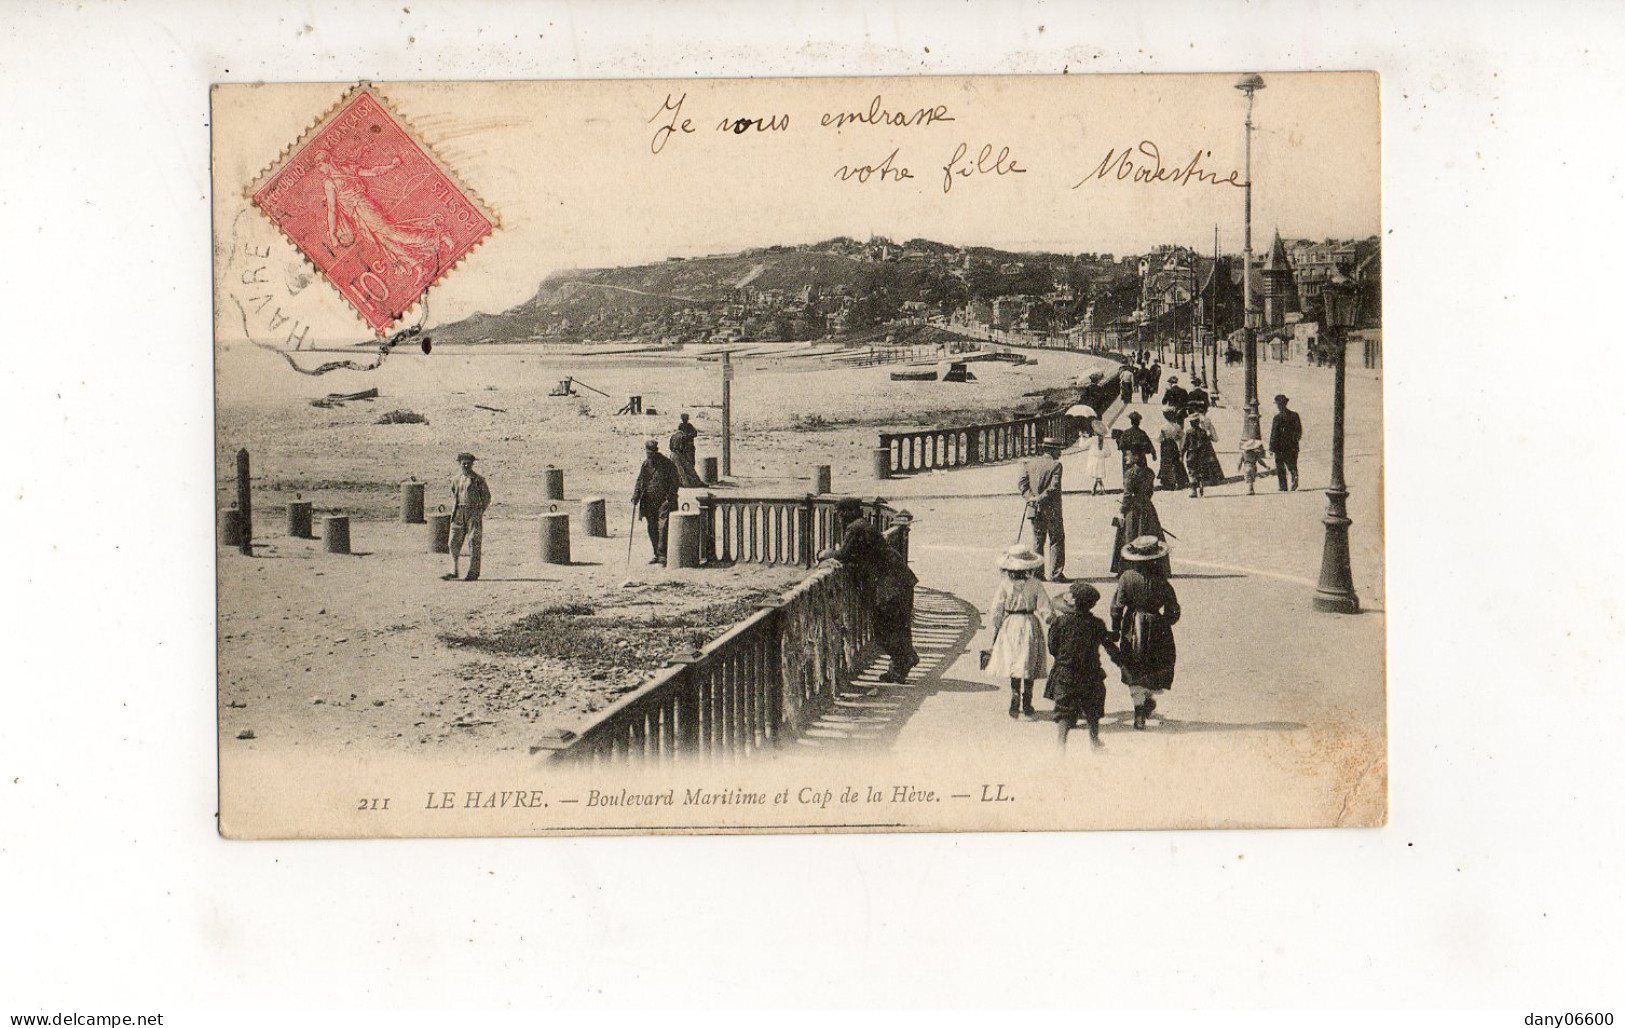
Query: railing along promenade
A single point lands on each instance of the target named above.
(930, 449)
(768, 676)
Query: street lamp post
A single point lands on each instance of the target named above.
(1212, 319)
(1249, 84)
(1335, 593)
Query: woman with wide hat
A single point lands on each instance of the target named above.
(1144, 612)
(1018, 652)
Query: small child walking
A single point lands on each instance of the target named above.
(1252, 461)
(1077, 682)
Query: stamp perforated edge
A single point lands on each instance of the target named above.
(321, 120)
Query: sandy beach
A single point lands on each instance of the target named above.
(325, 651)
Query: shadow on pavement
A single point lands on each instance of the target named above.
(1123, 721)
(870, 713)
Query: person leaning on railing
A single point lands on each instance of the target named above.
(885, 583)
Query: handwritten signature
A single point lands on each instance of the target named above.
(1143, 165)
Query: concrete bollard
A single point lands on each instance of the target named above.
(553, 483)
(336, 533)
(299, 519)
(411, 502)
(593, 517)
(882, 455)
(230, 527)
(683, 539)
(821, 479)
(245, 504)
(555, 538)
(708, 470)
(439, 533)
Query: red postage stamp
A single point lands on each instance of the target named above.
(372, 210)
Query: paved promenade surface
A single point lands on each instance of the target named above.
(1277, 714)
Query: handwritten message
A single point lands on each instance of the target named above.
(941, 156)
(959, 160)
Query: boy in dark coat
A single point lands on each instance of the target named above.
(1077, 683)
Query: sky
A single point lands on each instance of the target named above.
(592, 174)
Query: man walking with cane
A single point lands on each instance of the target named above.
(471, 496)
(654, 496)
(1040, 485)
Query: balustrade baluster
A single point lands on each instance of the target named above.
(741, 736)
(747, 702)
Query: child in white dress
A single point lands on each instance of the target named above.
(1016, 617)
(1094, 457)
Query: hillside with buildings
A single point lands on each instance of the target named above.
(841, 287)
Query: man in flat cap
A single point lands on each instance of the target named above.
(654, 495)
(1286, 432)
(1040, 485)
(470, 497)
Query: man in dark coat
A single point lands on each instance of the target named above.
(885, 583)
(1132, 440)
(1176, 397)
(654, 495)
(1196, 398)
(1286, 432)
(1040, 485)
(681, 446)
(1156, 377)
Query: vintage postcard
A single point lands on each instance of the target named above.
(907, 454)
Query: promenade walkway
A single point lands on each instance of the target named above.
(1277, 715)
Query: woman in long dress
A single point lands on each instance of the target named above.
(1137, 515)
(1201, 461)
(1144, 612)
(1170, 468)
(1018, 652)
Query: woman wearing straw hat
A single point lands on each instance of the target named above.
(1144, 612)
(1018, 652)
